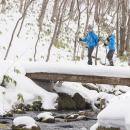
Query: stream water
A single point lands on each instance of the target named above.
(77, 125)
(59, 125)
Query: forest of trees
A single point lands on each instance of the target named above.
(66, 11)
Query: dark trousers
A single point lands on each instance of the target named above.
(90, 51)
(110, 57)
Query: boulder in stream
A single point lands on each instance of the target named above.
(24, 123)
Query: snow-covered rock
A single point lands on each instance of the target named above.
(25, 122)
(116, 114)
(71, 88)
(19, 89)
(46, 117)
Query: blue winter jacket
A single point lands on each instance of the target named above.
(111, 42)
(91, 39)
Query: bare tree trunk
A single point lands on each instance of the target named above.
(85, 30)
(25, 5)
(63, 3)
(123, 29)
(40, 21)
(13, 33)
(97, 20)
(55, 10)
(3, 3)
(35, 51)
(110, 2)
(117, 29)
(71, 12)
(128, 37)
(60, 21)
(43, 10)
(77, 32)
(96, 14)
(21, 5)
(21, 26)
(89, 10)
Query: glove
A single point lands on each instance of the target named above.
(108, 39)
(100, 39)
(105, 44)
(80, 39)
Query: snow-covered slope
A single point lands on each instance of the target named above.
(17, 84)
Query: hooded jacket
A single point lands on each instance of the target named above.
(111, 42)
(91, 39)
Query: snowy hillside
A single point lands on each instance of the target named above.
(24, 48)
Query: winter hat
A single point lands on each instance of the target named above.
(90, 27)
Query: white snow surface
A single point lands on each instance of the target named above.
(111, 116)
(4, 104)
(25, 87)
(22, 49)
(71, 88)
(116, 114)
(48, 98)
(94, 127)
(45, 116)
(72, 68)
(29, 122)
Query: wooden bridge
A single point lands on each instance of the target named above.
(79, 78)
(80, 73)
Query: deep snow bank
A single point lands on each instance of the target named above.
(22, 86)
(116, 114)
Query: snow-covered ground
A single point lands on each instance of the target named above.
(116, 114)
(16, 84)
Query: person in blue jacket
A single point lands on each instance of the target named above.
(111, 46)
(91, 40)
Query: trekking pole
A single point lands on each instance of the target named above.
(96, 55)
(105, 44)
(97, 46)
(78, 49)
(97, 51)
(106, 55)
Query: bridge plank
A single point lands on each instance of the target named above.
(79, 78)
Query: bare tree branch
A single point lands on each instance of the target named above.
(13, 33)
(62, 6)
(77, 32)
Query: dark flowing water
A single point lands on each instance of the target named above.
(59, 125)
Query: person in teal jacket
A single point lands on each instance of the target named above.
(111, 47)
(91, 40)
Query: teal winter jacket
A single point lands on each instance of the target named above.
(111, 42)
(91, 39)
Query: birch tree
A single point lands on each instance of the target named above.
(128, 36)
